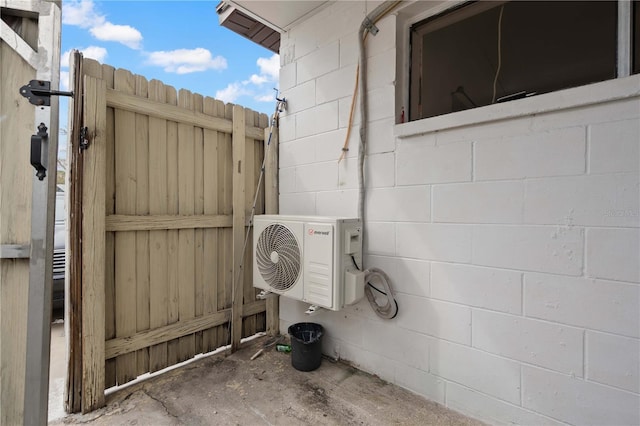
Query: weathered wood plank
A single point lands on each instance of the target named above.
(271, 194)
(125, 242)
(210, 206)
(238, 147)
(110, 198)
(158, 256)
(120, 346)
(225, 159)
(127, 102)
(16, 128)
(172, 235)
(186, 237)
(93, 246)
(198, 169)
(142, 237)
(121, 223)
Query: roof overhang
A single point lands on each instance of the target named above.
(263, 21)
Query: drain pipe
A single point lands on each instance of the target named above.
(390, 309)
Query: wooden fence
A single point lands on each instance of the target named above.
(161, 198)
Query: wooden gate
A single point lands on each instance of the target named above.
(162, 185)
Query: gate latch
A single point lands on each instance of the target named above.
(40, 151)
(39, 92)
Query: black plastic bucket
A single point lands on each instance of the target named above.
(306, 345)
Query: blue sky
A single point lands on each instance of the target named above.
(177, 42)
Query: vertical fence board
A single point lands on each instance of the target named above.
(199, 164)
(158, 256)
(108, 73)
(93, 247)
(239, 165)
(125, 242)
(271, 195)
(186, 237)
(142, 237)
(172, 235)
(225, 248)
(210, 244)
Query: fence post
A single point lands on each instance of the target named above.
(238, 142)
(271, 194)
(93, 246)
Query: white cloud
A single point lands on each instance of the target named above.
(185, 61)
(83, 14)
(64, 80)
(268, 97)
(270, 67)
(232, 92)
(124, 34)
(80, 14)
(94, 52)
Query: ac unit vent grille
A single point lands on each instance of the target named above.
(278, 257)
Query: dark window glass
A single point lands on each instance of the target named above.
(483, 53)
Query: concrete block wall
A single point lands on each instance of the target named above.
(513, 245)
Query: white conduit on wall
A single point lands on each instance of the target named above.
(389, 309)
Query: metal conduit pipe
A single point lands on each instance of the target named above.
(390, 309)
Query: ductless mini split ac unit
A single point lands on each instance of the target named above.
(309, 258)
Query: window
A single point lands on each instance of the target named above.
(488, 52)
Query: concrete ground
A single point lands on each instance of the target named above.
(232, 389)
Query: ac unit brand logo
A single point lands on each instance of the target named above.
(314, 232)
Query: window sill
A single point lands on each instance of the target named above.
(591, 94)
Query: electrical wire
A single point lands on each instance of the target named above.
(495, 80)
(389, 309)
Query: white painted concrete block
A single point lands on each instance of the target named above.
(554, 153)
(447, 243)
(317, 63)
(302, 203)
(419, 161)
(381, 70)
(554, 346)
(380, 170)
(594, 200)
(300, 97)
(489, 288)
(317, 177)
(380, 137)
(380, 238)
(412, 277)
(530, 248)
(337, 203)
(386, 37)
(287, 76)
(319, 119)
(402, 204)
(287, 180)
(613, 360)
(614, 147)
(435, 318)
(491, 410)
(344, 109)
(328, 146)
(490, 202)
(335, 85)
(287, 129)
(349, 49)
(405, 346)
(296, 153)
(348, 174)
(595, 304)
(489, 374)
(613, 254)
(380, 103)
(406, 275)
(422, 383)
(577, 402)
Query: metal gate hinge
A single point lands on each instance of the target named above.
(84, 138)
(39, 92)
